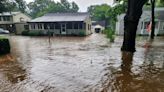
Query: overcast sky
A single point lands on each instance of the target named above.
(83, 4)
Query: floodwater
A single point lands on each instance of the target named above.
(82, 64)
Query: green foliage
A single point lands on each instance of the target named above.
(99, 12)
(21, 5)
(109, 34)
(4, 46)
(25, 33)
(34, 33)
(12, 5)
(82, 33)
(160, 3)
(41, 7)
(107, 13)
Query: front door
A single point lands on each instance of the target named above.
(63, 28)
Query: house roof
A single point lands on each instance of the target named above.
(8, 13)
(98, 26)
(146, 15)
(101, 23)
(159, 15)
(58, 17)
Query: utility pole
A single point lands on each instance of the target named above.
(153, 18)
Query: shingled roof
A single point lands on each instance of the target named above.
(59, 17)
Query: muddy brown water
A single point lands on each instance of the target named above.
(82, 64)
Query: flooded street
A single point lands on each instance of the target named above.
(82, 64)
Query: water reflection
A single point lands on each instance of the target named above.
(147, 77)
(11, 70)
(126, 78)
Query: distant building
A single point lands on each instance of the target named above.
(98, 26)
(13, 21)
(62, 24)
(144, 22)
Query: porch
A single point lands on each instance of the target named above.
(61, 28)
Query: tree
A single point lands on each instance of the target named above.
(12, 5)
(131, 20)
(160, 3)
(3, 6)
(21, 5)
(38, 6)
(106, 12)
(7, 5)
(41, 7)
(66, 5)
(75, 7)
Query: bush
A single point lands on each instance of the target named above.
(25, 33)
(110, 34)
(4, 46)
(34, 33)
(81, 33)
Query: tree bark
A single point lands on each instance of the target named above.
(131, 20)
(153, 19)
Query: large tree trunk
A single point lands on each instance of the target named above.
(131, 20)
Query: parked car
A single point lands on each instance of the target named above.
(2, 31)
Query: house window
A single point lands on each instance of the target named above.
(46, 26)
(26, 27)
(52, 26)
(69, 25)
(76, 26)
(6, 18)
(57, 26)
(88, 26)
(40, 26)
(80, 25)
(32, 26)
(84, 25)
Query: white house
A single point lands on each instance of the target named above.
(98, 26)
(144, 22)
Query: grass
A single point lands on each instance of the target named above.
(3, 37)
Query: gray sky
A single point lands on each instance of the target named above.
(83, 4)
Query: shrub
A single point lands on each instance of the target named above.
(25, 33)
(110, 34)
(4, 46)
(34, 33)
(81, 33)
(42, 33)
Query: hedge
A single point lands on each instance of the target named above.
(34, 33)
(4, 46)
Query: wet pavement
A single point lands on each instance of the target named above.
(82, 64)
